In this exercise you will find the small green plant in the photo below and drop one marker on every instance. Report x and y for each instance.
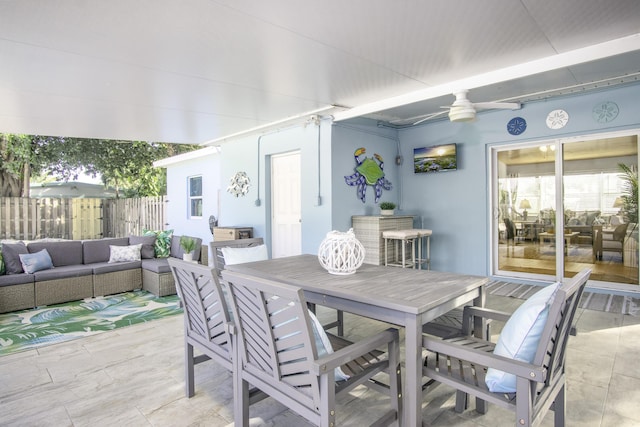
(387, 206)
(188, 243)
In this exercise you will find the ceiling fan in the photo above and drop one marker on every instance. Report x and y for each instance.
(463, 110)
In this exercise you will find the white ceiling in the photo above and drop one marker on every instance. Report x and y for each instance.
(199, 70)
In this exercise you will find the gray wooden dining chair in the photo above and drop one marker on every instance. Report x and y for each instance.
(219, 264)
(206, 318)
(218, 256)
(279, 352)
(496, 373)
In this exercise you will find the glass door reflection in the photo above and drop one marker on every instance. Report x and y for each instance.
(599, 210)
(526, 211)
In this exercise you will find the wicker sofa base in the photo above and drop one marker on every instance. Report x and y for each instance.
(63, 290)
(159, 284)
(47, 292)
(20, 296)
(17, 297)
(117, 282)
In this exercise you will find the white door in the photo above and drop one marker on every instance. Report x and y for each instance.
(286, 218)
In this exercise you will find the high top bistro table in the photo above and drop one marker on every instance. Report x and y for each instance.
(403, 297)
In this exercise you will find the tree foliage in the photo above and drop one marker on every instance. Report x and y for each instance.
(16, 154)
(125, 165)
(630, 192)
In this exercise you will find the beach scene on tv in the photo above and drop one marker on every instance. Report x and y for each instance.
(435, 159)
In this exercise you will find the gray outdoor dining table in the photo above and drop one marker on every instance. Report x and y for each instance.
(400, 296)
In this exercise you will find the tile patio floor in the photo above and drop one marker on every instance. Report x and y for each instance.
(134, 377)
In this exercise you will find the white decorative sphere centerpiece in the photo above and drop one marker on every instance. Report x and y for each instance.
(341, 253)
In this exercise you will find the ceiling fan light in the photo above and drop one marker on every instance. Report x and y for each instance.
(462, 114)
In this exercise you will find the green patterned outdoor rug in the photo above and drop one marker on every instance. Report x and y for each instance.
(590, 300)
(28, 329)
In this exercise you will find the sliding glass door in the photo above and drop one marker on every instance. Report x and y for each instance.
(560, 206)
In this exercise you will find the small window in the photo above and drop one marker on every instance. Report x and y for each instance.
(195, 197)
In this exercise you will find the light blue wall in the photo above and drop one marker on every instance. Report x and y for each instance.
(242, 155)
(346, 139)
(455, 204)
(177, 188)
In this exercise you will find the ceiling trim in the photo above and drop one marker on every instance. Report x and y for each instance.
(579, 56)
(271, 126)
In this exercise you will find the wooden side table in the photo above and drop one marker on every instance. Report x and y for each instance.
(232, 233)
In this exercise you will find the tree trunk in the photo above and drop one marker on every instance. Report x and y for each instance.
(10, 186)
(26, 180)
(14, 170)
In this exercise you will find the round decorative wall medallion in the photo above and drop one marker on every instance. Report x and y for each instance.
(239, 184)
(605, 112)
(557, 119)
(516, 126)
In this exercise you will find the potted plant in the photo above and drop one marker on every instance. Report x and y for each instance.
(188, 244)
(387, 208)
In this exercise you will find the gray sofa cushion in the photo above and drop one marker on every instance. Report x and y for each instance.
(16, 279)
(11, 255)
(157, 265)
(98, 250)
(105, 267)
(63, 272)
(62, 253)
(147, 242)
(177, 251)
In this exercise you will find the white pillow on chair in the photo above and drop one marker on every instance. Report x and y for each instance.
(242, 255)
(323, 345)
(520, 337)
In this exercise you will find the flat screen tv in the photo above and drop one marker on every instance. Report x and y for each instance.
(437, 158)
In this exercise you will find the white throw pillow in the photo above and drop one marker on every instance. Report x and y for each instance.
(124, 253)
(323, 345)
(242, 255)
(520, 337)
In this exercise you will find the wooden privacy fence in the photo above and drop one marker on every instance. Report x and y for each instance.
(125, 217)
(28, 219)
(38, 218)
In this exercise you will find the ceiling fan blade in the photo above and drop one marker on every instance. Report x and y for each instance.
(431, 116)
(463, 110)
(497, 105)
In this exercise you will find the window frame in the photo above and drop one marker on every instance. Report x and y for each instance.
(191, 198)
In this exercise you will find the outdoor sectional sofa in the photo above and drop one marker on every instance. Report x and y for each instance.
(81, 269)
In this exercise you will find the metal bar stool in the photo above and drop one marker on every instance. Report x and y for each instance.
(422, 234)
(404, 237)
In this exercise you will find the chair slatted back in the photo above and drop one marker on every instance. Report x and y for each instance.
(218, 258)
(275, 339)
(205, 310)
(551, 352)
